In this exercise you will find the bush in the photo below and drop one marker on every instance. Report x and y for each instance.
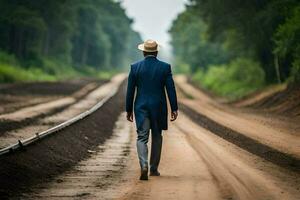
(106, 75)
(9, 74)
(12, 71)
(238, 78)
(47, 70)
(89, 71)
(182, 68)
(58, 69)
(6, 58)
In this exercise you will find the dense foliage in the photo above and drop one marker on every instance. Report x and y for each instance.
(191, 45)
(233, 80)
(49, 35)
(214, 32)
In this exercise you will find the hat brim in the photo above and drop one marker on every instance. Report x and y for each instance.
(142, 48)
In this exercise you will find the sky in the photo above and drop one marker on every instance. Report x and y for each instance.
(153, 18)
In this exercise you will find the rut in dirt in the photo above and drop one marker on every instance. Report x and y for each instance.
(54, 155)
(69, 89)
(253, 146)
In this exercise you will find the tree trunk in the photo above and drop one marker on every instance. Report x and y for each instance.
(46, 43)
(12, 39)
(20, 43)
(84, 50)
(276, 62)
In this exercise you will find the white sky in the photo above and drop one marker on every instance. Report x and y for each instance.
(153, 18)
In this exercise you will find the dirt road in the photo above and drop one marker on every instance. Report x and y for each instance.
(284, 138)
(197, 162)
(28, 120)
(198, 165)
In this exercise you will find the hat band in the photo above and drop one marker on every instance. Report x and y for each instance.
(150, 48)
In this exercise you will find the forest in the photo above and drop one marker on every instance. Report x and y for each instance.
(49, 40)
(235, 47)
(230, 47)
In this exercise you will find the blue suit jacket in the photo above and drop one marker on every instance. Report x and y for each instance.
(150, 77)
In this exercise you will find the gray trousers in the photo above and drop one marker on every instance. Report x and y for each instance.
(142, 147)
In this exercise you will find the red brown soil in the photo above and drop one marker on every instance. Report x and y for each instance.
(18, 95)
(280, 100)
(57, 153)
(285, 102)
(258, 131)
(203, 157)
(45, 88)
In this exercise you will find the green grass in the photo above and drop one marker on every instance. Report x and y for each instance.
(9, 74)
(234, 80)
(106, 75)
(48, 70)
(100, 74)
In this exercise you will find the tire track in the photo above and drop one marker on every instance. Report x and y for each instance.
(8, 121)
(91, 178)
(253, 146)
(43, 161)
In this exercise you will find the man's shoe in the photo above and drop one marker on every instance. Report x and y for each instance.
(144, 174)
(154, 173)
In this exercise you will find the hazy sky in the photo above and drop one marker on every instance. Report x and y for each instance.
(153, 18)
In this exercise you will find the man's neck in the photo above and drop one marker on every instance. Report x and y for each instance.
(150, 56)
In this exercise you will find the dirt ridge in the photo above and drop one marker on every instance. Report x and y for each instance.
(253, 146)
(54, 155)
(9, 125)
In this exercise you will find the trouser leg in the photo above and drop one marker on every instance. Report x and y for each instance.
(142, 140)
(156, 146)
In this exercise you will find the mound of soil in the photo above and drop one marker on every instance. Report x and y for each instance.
(258, 95)
(285, 102)
(278, 99)
(57, 153)
(44, 88)
(253, 146)
(19, 95)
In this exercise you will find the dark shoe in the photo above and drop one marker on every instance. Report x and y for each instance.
(154, 173)
(144, 174)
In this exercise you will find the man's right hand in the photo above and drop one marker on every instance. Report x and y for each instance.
(130, 116)
(174, 115)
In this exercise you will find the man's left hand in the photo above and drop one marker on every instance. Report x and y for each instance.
(130, 116)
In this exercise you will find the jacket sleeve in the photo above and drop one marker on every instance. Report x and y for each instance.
(171, 90)
(130, 90)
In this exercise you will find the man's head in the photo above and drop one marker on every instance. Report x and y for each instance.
(149, 47)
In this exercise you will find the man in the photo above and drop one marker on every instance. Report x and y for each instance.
(150, 78)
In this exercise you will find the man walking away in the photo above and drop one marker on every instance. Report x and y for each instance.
(150, 78)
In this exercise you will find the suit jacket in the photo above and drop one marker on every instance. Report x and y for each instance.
(151, 78)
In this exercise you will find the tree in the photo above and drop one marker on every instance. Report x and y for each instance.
(191, 45)
(94, 33)
(247, 29)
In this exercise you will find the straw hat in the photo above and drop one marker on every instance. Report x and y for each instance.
(149, 46)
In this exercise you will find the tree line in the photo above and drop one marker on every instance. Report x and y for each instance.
(260, 33)
(43, 33)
